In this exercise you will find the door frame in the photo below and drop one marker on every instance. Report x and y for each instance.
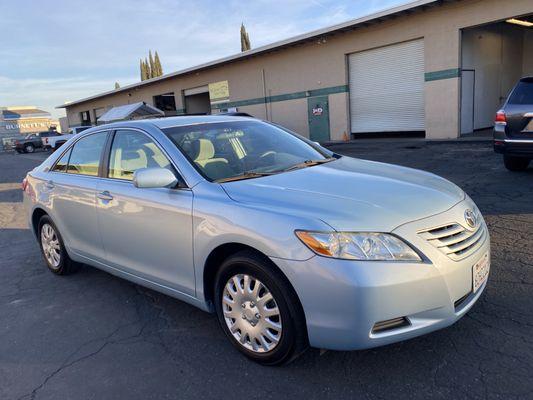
(473, 101)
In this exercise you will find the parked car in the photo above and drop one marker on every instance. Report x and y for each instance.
(77, 129)
(55, 142)
(33, 141)
(513, 127)
(236, 114)
(290, 244)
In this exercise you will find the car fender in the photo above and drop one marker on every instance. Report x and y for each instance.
(219, 220)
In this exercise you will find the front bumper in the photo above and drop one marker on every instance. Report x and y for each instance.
(343, 300)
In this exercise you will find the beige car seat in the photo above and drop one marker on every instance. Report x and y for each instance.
(214, 168)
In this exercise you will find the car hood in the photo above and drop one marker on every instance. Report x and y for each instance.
(350, 194)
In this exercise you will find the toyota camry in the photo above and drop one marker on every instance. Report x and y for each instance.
(290, 244)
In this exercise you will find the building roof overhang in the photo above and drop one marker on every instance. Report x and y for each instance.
(370, 19)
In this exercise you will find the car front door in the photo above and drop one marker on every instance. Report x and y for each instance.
(72, 193)
(145, 231)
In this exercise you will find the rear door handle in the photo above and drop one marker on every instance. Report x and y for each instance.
(49, 184)
(105, 195)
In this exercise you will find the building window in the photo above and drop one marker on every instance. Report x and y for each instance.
(167, 103)
(85, 118)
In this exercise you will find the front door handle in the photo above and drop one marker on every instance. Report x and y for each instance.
(105, 195)
(49, 184)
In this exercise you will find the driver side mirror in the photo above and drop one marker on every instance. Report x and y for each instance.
(154, 178)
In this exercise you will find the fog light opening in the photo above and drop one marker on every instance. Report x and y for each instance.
(459, 302)
(390, 324)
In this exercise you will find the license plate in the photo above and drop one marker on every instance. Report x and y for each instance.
(480, 272)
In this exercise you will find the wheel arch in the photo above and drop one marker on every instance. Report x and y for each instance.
(217, 257)
(36, 216)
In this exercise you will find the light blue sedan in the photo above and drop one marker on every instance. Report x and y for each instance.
(290, 244)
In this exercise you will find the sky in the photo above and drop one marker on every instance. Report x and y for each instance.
(63, 50)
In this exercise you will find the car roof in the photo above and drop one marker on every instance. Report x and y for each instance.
(170, 122)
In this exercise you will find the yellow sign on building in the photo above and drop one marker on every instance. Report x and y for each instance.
(219, 92)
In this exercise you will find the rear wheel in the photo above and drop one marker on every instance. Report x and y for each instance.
(29, 148)
(515, 163)
(258, 311)
(53, 248)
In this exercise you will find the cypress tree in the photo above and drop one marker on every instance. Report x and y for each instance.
(245, 39)
(148, 69)
(143, 70)
(153, 70)
(157, 62)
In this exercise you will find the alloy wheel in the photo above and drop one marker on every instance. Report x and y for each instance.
(251, 313)
(50, 245)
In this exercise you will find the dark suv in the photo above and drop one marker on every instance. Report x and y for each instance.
(513, 127)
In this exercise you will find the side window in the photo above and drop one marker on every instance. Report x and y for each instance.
(132, 150)
(62, 163)
(85, 155)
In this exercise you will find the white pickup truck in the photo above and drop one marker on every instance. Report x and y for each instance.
(55, 142)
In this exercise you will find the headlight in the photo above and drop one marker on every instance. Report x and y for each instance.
(358, 246)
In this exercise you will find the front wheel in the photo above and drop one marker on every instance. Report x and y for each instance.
(258, 310)
(29, 148)
(515, 163)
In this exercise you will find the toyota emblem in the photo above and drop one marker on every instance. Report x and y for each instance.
(470, 218)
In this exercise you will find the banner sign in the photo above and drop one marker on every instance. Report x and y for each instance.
(219, 92)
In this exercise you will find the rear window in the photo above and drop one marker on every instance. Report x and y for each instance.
(522, 93)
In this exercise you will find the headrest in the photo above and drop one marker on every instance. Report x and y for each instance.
(130, 155)
(203, 149)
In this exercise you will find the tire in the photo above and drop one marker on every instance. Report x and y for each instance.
(29, 148)
(254, 316)
(53, 249)
(516, 163)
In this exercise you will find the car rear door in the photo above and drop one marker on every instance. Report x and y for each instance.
(72, 195)
(145, 231)
(519, 110)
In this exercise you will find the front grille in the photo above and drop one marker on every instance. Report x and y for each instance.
(454, 240)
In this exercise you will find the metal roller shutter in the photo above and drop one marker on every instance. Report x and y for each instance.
(387, 88)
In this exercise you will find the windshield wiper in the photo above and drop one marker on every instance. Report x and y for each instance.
(257, 174)
(245, 175)
(308, 163)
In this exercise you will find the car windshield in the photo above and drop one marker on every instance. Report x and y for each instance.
(243, 149)
(522, 93)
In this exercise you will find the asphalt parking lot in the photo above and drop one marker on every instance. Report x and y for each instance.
(94, 336)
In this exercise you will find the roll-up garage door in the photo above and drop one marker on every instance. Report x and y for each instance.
(387, 88)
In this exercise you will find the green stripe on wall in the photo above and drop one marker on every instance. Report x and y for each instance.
(444, 74)
(283, 97)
